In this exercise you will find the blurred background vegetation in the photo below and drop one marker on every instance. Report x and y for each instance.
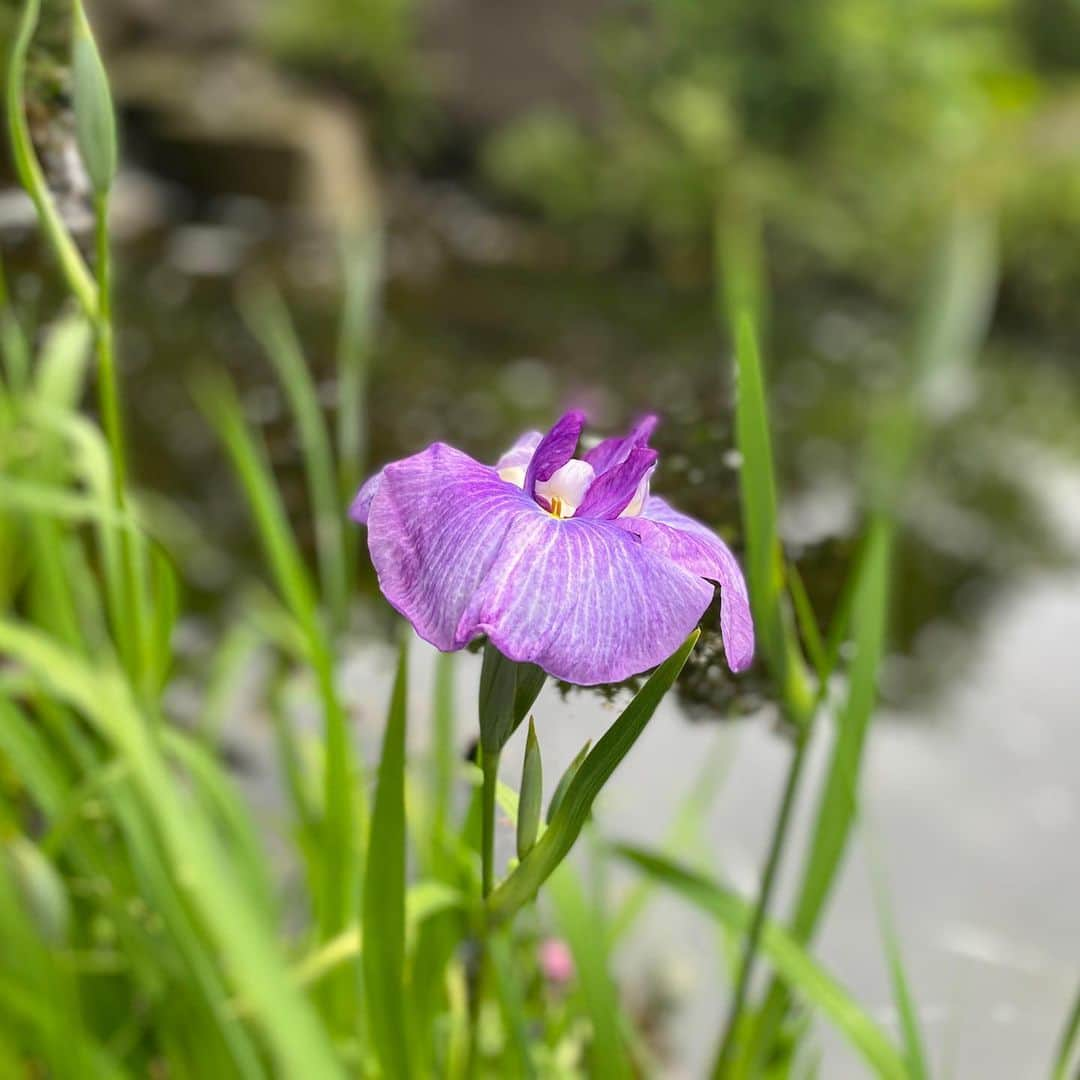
(551, 187)
(551, 181)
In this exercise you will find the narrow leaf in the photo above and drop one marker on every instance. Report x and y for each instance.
(800, 970)
(582, 926)
(521, 886)
(902, 997)
(836, 810)
(565, 780)
(269, 321)
(384, 893)
(765, 566)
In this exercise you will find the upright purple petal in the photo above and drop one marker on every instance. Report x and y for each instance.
(584, 599)
(555, 450)
(693, 546)
(613, 491)
(613, 451)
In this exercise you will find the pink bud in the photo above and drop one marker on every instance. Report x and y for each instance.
(556, 961)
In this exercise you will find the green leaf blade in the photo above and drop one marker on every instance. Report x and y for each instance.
(384, 894)
(590, 778)
(787, 956)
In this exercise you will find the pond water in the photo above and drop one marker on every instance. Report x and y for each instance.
(970, 807)
(476, 346)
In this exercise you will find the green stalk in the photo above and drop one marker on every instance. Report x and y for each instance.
(129, 624)
(29, 170)
(360, 270)
(108, 393)
(12, 341)
(729, 1039)
(489, 766)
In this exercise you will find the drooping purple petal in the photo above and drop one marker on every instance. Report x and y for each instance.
(613, 491)
(611, 452)
(361, 504)
(584, 599)
(556, 448)
(436, 525)
(694, 546)
(460, 552)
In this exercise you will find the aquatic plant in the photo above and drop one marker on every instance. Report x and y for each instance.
(567, 563)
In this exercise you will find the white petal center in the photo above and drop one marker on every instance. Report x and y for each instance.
(566, 488)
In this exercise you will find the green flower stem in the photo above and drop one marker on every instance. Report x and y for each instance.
(12, 342)
(29, 170)
(108, 393)
(489, 766)
(722, 1065)
(129, 622)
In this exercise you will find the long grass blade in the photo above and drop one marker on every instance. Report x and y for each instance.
(443, 751)
(737, 252)
(836, 811)
(269, 321)
(361, 267)
(583, 929)
(345, 810)
(384, 894)
(246, 943)
(837, 803)
(787, 956)
(910, 1029)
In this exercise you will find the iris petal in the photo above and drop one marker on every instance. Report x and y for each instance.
(584, 600)
(435, 527)
(361, 504)
(520, 454)
(695, 547)
(556, 448)
(459, 553)
(610, 452)
(613, 491)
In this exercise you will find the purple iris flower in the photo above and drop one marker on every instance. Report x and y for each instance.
(569, 563)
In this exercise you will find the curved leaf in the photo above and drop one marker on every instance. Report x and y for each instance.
(798, 968)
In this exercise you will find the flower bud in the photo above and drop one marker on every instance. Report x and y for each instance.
(532, 794)
(95, 122)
